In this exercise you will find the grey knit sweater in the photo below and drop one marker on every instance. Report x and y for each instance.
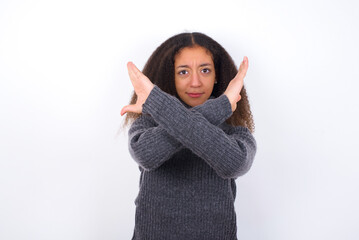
(189, 159)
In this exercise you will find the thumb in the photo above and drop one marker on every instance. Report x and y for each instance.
(126, 109)
(239, 98)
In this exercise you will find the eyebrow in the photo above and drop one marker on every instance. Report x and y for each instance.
(202, 65)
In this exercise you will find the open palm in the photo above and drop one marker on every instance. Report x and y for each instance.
(236, 84)
(142, 85)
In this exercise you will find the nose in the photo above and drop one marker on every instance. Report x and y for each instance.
(195, 80)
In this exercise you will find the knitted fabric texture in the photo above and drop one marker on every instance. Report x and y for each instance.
(189, 159)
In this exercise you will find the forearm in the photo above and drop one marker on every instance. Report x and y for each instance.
(214, 110)
(151, 145)
(229, 156)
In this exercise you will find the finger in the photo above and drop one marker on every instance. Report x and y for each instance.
(130, 108)
(244, 64)
(123, 110)
(243, 68)
(134, 71)
(132, 66)
(130, 71)
(245, 59)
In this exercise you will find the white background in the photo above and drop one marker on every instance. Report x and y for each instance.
(65, 170)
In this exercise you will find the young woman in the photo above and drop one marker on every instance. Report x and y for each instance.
(191, 136)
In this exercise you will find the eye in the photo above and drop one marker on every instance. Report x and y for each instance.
(206, 70)
(182, 72)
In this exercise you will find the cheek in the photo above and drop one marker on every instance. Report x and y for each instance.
(211, 83)
(180, 85)
(176, 82)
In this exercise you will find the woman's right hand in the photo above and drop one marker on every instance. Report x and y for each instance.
(142, 85)
(235, 85)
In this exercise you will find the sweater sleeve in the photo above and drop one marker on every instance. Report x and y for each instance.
(214, 110)
(230, 155)
(151, 145)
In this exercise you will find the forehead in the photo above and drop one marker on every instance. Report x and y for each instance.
(191, 54)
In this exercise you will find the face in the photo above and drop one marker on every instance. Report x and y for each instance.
(194, 75)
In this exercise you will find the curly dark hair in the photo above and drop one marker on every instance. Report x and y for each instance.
(160, 70)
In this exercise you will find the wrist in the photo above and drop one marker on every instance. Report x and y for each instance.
(231, 101)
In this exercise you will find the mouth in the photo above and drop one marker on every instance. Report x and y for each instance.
(195, 95)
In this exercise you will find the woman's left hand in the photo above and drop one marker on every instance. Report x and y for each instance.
(236, 84)
(143, 87)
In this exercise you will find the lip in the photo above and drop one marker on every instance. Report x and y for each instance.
(195, 95)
